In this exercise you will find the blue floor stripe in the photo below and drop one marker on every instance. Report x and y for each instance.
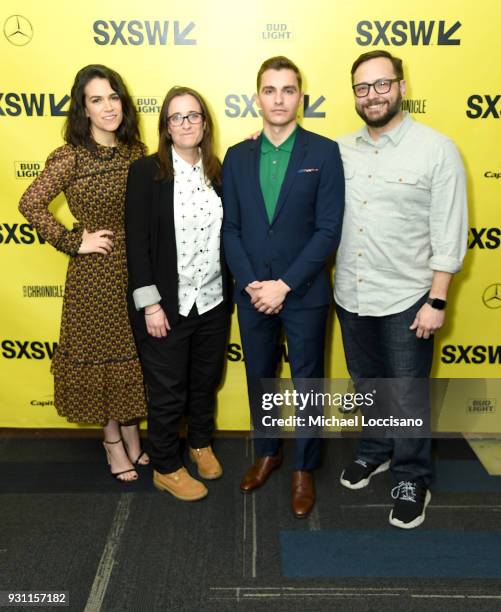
(391, 553)
(464, 477)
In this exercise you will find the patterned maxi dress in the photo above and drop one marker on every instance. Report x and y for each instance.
(97, 375)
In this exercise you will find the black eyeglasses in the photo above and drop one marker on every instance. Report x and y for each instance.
(177, 119)
(381, 86)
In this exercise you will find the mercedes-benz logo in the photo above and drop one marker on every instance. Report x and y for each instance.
(492, 296)
(18, 30)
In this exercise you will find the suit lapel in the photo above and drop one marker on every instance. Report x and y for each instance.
(255, 158)
(295, 161)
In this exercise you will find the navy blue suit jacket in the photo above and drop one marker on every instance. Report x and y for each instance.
(306, 226)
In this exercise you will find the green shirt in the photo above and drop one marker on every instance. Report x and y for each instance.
(272, 168)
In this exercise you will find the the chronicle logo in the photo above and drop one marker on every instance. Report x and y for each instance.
(491, 297)
(400, 32)
(138, 33)
(471, 353)
(414, 106)
(43, 291)
(15, 104)
(19, 233)
(18, 30)
(484, 106)
(482, 405)
(491, 174)
(28, 169)
(26, 349)
(484, 237)
(148, 104)
(241, 105)
(235, 352)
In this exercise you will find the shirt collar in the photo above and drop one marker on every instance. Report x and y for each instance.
(180, 164)
(286, 146)
(395, 135)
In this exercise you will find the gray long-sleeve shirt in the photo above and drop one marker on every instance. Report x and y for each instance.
(405, 217)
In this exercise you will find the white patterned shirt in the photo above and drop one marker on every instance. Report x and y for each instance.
(198, 214)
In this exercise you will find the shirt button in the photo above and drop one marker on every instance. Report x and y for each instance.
(360, 229)
(359, 254)
(359, 280)
(370, 175)
(400, 180)
(274, 161)
(376, 152)
(364, 202)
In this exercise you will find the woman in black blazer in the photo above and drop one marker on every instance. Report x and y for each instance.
(178, 288)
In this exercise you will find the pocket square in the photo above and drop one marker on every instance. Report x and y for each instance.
(308, 170)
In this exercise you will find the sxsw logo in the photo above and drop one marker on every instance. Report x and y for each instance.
(19, 349)
(484, 237)
(475, 354)
(138, 33)
(482, 107)
(243, 105)
(400, 32)
(15, 104)
(19, 233)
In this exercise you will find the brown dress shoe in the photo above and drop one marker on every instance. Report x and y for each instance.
(303, 493)
(258, 474)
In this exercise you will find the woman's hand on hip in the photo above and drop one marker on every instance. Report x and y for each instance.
(96, 242)
(157, 323)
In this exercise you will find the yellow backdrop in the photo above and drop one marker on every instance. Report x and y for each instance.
(451, 58)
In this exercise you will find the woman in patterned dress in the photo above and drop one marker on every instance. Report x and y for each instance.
(179, 304)
(97, 374)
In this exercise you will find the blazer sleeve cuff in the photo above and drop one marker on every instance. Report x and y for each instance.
(146, 296)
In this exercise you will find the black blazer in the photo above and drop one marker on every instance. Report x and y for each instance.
(151, 240)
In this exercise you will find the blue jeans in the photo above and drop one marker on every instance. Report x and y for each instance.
(385, 347)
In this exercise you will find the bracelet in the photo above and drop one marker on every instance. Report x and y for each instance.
(147, 314)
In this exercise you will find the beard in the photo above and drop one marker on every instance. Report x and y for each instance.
(391, 111)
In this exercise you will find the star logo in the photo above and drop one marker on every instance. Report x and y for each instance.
(492, 296)
(18, 30)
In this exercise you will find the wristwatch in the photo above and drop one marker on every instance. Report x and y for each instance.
(436, 303)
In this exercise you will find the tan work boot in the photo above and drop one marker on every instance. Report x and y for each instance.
(180, 484)
(207, 463)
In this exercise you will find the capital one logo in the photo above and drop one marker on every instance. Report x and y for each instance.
(242, 105)
(401, 32)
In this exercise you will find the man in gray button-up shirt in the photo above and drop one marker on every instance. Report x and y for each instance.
(404, 236)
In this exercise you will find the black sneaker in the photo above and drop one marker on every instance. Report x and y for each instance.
(359, 472)
(411, 499)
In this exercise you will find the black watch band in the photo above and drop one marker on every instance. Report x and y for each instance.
(436, 303)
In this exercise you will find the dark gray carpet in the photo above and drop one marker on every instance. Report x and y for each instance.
(66, 525)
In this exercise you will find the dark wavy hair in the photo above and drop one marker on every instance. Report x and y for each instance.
(77, 127)
(211, 163)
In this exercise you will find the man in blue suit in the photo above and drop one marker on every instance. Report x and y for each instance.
(283, 205)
